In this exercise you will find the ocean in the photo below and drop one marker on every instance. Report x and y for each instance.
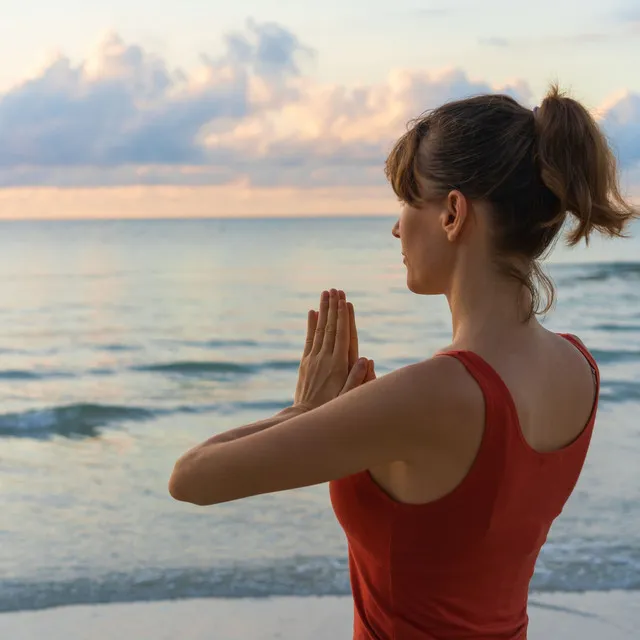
(124, 343)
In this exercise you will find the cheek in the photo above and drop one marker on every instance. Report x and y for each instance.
(429, 266)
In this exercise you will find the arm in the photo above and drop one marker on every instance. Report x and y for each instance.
(254, 427)
(377, 423)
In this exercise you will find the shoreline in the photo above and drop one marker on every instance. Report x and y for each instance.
(558, 616)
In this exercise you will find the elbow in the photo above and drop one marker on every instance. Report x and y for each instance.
(182, 486)
(178, 487)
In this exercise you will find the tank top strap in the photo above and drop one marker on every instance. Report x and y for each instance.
(499, 403)
(577, 343)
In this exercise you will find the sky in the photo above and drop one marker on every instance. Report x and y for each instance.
(260, 107)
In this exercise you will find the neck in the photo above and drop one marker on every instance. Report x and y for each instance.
(487, 307)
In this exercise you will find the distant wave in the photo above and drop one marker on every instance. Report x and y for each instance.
(218, 344)
(116, 347)
(616, 328)
(22, 374)
(606, 271)
(593, 568)
(613, 356)
(85, 420)
(617, 391)
(204, 368)
(74, 420)
(232, 343)
(14, 374)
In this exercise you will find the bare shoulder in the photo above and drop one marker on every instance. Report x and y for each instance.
(438, 394)
(441, 379)
(575, 359)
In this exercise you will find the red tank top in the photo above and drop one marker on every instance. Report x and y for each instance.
(459, 567)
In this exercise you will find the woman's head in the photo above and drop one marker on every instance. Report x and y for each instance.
(498, 179)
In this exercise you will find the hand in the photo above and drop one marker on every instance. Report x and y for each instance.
(324, 369)
(369, 370)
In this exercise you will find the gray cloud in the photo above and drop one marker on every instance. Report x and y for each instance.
(622, 123)
(267, 48)
(127, 107)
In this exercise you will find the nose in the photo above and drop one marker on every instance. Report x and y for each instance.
(396, 229)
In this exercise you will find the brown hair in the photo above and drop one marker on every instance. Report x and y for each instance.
(532, 167)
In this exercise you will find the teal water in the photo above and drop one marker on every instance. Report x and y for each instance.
(124, 343)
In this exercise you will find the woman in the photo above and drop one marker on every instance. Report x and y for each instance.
(447, 475)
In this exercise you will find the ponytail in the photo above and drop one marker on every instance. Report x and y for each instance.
(579, 168)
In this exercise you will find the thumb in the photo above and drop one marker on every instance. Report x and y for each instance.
(356, 376)
(371, 374)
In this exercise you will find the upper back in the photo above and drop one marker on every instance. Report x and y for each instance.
(553, 384)
(546, 389)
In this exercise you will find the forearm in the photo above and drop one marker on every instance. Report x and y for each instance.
(181, 486)
(254, 427)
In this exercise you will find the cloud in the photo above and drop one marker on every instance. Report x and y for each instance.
(621, 121)
(494, 42)
(585, 38)
(123, 117)
(124, 106)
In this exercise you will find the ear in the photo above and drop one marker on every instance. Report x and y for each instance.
(455, 215)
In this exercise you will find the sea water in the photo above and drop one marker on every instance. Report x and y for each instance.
(122, 344)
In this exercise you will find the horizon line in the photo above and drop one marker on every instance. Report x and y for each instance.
(142, 218)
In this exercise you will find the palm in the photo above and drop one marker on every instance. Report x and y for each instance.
(330, 364)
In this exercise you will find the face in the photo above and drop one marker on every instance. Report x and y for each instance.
(428, 238)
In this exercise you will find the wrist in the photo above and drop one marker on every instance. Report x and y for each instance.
(296, 409)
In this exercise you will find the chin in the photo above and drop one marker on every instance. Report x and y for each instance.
(422, 286)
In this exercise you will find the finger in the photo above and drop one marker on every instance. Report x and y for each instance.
(353, 336)
(371, 374)
(342, 295)
(318, 339)
(312, 323)
(341, 347)
(356, 376)
(331, 327)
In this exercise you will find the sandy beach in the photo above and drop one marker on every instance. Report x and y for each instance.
(584, 616)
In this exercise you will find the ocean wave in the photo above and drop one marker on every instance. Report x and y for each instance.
(223, 344)
(116, 347)
(586, 569)
(615, 356)
(74, 420)
(86, 420)
(616, 328)
(15, 374)
(22, 374)
(217, 368)
(618, 391)
(605, 271)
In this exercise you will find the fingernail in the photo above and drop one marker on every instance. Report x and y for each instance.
(362, 362)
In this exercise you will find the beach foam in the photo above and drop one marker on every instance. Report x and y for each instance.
(588, 616)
